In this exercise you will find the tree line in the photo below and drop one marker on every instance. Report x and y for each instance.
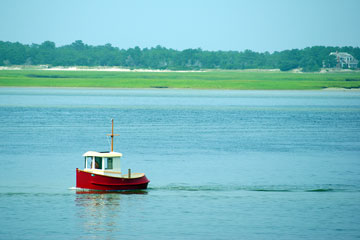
(80, 54)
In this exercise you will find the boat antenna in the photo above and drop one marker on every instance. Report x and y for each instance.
(112, 135)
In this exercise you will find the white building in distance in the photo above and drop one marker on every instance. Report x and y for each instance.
(345, 60)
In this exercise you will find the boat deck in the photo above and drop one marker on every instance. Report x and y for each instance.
(114, 174)
(133, 175)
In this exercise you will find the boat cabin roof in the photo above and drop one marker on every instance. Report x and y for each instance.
(102, 154)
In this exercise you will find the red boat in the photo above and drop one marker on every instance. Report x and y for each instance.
(102, 172)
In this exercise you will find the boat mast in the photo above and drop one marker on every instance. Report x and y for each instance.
(112, 135)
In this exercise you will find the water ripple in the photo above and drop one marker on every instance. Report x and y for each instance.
(260, 188)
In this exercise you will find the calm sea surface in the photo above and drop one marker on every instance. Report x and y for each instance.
(222, 164)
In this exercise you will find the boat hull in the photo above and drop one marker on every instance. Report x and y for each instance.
(88, 180)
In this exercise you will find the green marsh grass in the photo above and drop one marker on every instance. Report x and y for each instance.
(236, 80)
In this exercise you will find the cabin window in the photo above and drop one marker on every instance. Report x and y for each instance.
(88, 161)
(108, 163)
(98, 163)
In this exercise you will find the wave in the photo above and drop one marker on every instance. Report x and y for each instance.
(323, 190)
(259, 188)
(33, 194)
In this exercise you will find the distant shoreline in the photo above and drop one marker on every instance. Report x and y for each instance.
(122, 69)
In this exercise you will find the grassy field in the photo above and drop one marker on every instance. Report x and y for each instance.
(244, 80)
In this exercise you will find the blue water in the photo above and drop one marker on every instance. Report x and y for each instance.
(222, 164)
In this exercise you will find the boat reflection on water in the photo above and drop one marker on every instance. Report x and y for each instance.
(111, 192)
(102, 213)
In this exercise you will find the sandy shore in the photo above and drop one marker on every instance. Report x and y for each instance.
(342, 89)
(119, 69)
(114, 69)
(100, 69)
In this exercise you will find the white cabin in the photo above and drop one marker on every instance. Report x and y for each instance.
(105, 163)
